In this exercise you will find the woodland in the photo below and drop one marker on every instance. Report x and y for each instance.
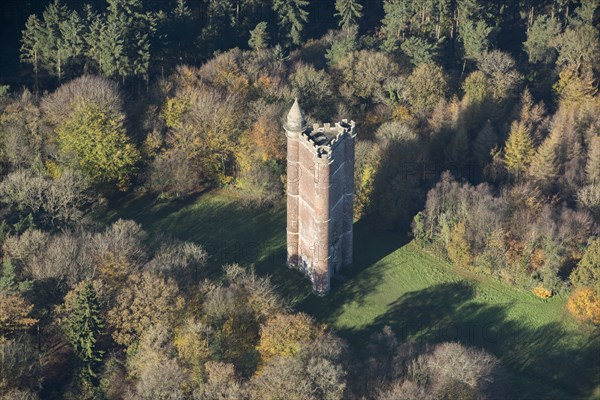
(478, 142)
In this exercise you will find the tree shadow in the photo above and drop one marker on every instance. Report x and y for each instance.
(542, 362)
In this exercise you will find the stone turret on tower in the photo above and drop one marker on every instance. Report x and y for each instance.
(320, 194)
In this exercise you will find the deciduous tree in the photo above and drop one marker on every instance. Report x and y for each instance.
(15, 313)
(518, 150)
(95, 142)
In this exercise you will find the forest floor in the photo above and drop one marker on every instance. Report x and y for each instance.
(394, 282)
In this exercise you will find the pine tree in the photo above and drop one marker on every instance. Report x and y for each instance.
(259, 38)
(518, 150)
(182, 32)
(540, 36)
(292, 17)
(475, 39)
(125, 47)
(396, 21)
(84, 329)
(8, 278)
(55, 51)
(31, 45)
(95, 26)
(349, 12)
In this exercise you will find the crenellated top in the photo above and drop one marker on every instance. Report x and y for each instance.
(325, 138)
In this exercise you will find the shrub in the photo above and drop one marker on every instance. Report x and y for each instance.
(584, 304)
(542, 292)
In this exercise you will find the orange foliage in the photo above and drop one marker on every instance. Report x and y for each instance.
(537, 259)
(584, 304)
(14, 313)
(266, 134)
(403, 114)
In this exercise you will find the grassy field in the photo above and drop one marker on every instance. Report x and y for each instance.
(395, 283)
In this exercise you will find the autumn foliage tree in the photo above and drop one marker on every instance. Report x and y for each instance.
(147, 300)
(15, 313)
(584, 304)
(519, 150)
(286, 334)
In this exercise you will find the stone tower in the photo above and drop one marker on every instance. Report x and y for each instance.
(320, 195)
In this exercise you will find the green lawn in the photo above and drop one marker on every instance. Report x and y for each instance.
(395, 283)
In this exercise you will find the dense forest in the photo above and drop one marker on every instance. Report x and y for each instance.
(478, 135)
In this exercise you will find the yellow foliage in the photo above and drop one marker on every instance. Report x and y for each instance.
(519, 149)
(459, 248)
(152, 144)
(191, 342)
(584, 304)
(537, 259)
(285, 335)
(53, 169)
(173, 111)
(365, 189)
(403, 114)
(574, 88)
(542, 292)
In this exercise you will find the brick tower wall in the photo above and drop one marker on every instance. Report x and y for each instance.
(320, 198)
(293, 176)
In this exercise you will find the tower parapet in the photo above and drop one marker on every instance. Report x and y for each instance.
(320, 195)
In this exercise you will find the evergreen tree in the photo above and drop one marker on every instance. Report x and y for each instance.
(540, 37)
(518, 150)
(8, 278)
(259, 38)
(475, 39)
(349, 12)
(95, 26)
(292, 17)
(126, 40)
(84, 329)
(182, 33)
(55, 48)
(31, 45)
(419, 50)
(396, 21)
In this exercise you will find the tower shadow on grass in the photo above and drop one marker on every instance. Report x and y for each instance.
(370, 247)
(542, 362)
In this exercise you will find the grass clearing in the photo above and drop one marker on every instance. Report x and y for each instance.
(393, 282)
